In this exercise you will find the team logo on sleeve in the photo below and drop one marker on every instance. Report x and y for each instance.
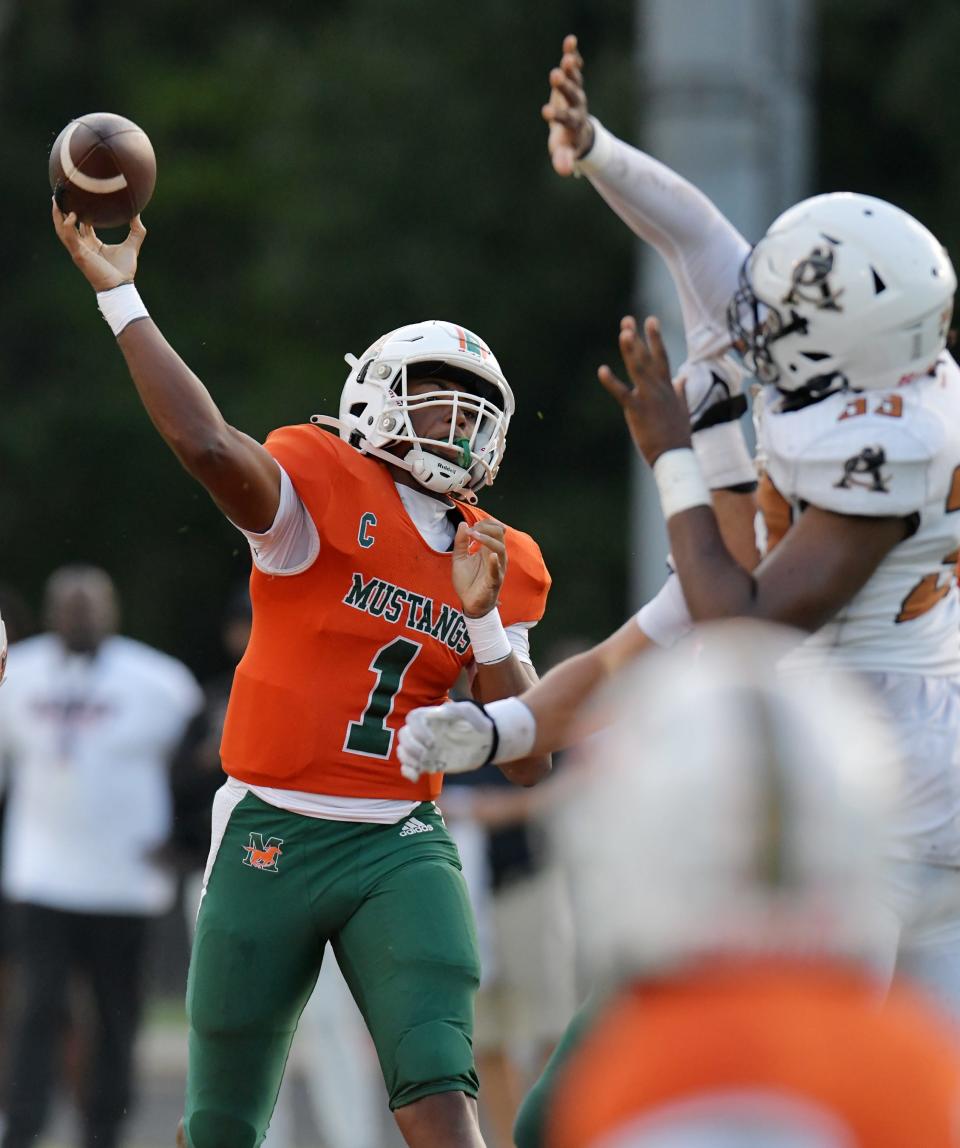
(263, 856)
(866, 469)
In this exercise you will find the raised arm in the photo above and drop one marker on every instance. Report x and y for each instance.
(701, 247)
(240, 475)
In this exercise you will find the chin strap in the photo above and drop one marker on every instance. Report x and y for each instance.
(814, 391)
(428, 468)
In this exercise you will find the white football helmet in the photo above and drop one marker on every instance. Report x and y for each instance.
(728, 809)
(376, 407)
(844, 290)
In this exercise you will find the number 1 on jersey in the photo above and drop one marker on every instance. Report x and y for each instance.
(369, 736)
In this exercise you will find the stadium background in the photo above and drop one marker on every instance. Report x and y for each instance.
(329, 171)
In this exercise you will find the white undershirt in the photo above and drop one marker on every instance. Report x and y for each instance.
(289, 547)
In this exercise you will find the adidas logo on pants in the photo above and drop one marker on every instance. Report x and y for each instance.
(412, 825)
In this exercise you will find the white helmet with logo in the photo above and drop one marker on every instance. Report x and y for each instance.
(843, 290)
(729, 809)
(376, 407)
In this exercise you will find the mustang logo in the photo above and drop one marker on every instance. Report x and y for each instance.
(260, 856)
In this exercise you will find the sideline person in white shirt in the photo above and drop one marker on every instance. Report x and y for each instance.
(88, 720)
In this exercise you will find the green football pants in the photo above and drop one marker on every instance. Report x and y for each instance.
(393, 903)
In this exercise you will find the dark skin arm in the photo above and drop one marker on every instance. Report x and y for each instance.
(479, 566)
(821, 563)
(241, 477)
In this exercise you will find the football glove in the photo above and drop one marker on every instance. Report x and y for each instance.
(453, 738)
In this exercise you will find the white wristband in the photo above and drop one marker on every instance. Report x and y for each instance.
(665, 619)
(723, 456)
(680, 481)
(516, 729)
(120, 306)
(488, 638)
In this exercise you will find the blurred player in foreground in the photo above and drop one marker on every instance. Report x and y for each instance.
(842, 310)
(724, 844)
(376, 581)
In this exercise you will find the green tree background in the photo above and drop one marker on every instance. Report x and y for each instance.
(329, 171)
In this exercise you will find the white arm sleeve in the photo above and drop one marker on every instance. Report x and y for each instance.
(518, 635)
(292, 543)
(701, 247)
(665, 619)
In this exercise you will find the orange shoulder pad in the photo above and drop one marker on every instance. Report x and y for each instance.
(303, 450)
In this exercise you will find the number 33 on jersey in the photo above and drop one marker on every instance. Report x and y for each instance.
(340, 653)
(893, 453)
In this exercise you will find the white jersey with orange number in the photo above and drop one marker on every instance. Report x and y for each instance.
(878, 453)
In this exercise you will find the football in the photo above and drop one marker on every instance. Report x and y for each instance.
(102, 166)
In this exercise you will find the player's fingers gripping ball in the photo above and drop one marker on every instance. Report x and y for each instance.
(453, 738)
(103, 168)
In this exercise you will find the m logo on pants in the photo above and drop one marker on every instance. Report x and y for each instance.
(260, 856)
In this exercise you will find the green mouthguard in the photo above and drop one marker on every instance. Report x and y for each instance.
(465, 456)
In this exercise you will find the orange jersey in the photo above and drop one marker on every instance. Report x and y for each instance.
(340, 653)
(793, 1051)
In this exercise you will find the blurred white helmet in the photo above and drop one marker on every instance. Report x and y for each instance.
(728, 810)
(376, 408)
(844, 290)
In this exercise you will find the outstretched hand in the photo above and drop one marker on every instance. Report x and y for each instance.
(105, 265)
(479, 564)
(656, 413)
(571, 133)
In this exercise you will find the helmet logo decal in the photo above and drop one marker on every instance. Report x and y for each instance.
(865, 469)
(470, 342)
(368, 521)
(810, 281)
